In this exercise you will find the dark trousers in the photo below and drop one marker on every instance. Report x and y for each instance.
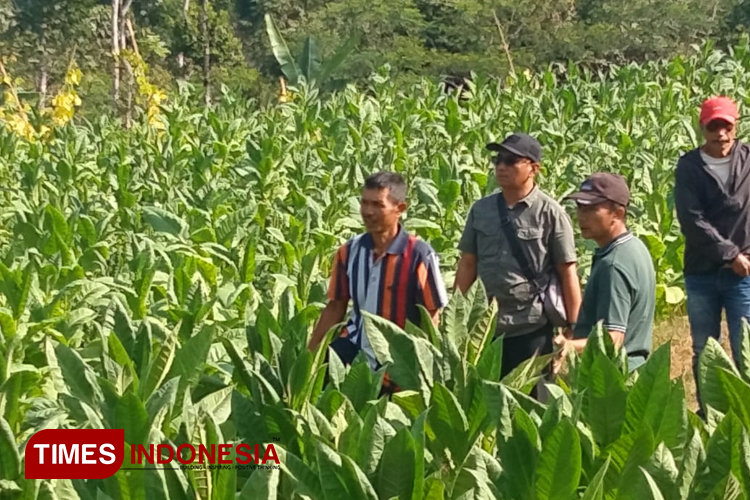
(516, 350)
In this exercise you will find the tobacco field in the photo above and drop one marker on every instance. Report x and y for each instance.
(164, 280)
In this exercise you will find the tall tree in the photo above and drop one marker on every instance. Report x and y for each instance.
(206, 53)
(40, 32)
(201, 38)
(122, 31)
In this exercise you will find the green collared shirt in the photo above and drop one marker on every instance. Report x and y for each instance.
(544, 231)
(621, 292)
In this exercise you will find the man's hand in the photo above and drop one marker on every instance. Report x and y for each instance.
(741, 265)
(567, 332)
(466, 272)
(560, 346)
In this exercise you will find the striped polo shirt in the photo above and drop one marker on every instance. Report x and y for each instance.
(408, 274)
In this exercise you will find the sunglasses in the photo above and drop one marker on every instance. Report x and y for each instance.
(506, 158)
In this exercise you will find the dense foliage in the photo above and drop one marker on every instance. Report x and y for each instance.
(432, 38)
(162, 278)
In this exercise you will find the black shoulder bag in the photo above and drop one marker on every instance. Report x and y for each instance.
(552, 299)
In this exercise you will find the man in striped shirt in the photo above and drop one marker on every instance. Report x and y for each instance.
(385, 271)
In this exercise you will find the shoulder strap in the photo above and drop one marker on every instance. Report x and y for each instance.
(509, 228)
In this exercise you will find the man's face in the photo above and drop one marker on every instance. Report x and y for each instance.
(596, 220)
(513, 171)
(719, 136)
(379, 211)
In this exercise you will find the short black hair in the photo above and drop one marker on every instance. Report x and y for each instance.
(392, 181)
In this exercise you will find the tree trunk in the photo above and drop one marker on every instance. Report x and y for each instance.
(181, 55)
(43, 76)
(206, 53)
(134, 43)
(121, 29)
(116, 50)
(131, 33)
(506, 47)
(123, 45)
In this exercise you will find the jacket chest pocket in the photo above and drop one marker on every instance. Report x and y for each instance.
(489, 240)
(533, 244)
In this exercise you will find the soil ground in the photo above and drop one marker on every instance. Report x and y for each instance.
(677, 331)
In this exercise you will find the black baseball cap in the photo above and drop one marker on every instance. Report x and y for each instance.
(601, 187)
(519, 144)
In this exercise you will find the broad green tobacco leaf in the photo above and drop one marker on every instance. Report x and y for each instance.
(727, 452)
(712, 359)
(262, 485)
(745, 352)
(10, 460)
(738, 394)
(16, 285)
(694, 455)
(604, 400)
(131, 415)
(434, 489)
(473, 480)
(397, 470)
(7, 324)
(164, 221)
(79, 377)
(653, 489)
(519, 456)
(159, 367)
(340, 477)
(411, 359)
(638, 455)
(449, 423)
(453, 320)
(559, 466)
(663, 469)
(596, 489)
(645, 401)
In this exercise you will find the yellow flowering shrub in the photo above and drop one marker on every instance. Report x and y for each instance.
(67, 100)
(149, 95)
(15, 114)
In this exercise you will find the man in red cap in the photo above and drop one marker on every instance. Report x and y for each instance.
(712, 198)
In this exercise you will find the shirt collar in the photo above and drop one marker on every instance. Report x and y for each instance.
(626, 236)
(397, 246)
(530, 198)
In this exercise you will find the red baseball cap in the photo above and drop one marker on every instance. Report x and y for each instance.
(719, 108)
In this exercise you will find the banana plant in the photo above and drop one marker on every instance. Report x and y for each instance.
(308, 65)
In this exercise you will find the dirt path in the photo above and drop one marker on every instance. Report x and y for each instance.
(677, 330)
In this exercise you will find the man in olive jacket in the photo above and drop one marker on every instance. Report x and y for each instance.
(545, 236)
(712, 198)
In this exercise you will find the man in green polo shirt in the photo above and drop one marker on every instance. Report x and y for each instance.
(621, 290)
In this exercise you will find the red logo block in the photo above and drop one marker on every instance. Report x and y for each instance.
(74, 453)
